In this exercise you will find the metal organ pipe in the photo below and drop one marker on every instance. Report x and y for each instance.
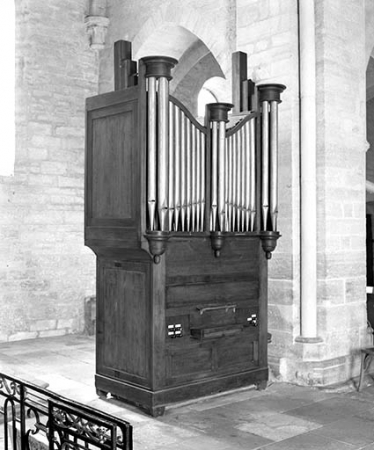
(238, 179)
(193, 179)
(274, 164)
(243, 179)
(171, 187)
(163, 147)
(177, 117)
(202, 185)
(221, 176)
(152, 143)
(234, 180)
(247, 176)
(265, 164)
(226, 199)
(198, 179)
(252, 164)
(183, 173)
(188, 174)
(228, 181)
(214, 176)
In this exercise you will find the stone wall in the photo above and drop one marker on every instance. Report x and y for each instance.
(268, 33)
(341, 143)
(45, 271)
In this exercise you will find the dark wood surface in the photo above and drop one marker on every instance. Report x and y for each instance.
(210, 298)
(239, 79)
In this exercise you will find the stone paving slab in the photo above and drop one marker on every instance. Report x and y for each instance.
(282, 417)
(350, 430)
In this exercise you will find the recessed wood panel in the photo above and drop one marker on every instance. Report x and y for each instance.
(238, 352)
(191, 362)
(113, 165)
(214, 293)
(122, 323)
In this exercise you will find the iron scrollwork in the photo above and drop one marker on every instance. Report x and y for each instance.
(35, 418)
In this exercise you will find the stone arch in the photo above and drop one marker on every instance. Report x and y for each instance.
(196, 63)
(214, 37)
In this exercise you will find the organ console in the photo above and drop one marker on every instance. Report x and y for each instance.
(182, 218)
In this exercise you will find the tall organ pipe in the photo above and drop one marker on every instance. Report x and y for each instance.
(252, 205)
(221, 176)
(265, 164)
(151, 160)
(274, 164)
(177, 117)
(171, 187)
(163, 148)
(214, 176)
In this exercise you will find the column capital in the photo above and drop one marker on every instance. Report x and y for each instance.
(96, 27)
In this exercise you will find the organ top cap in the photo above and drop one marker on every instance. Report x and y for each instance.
(159, 66)
(218, 112)
(270, 92)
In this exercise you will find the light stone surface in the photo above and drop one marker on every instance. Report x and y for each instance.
(46, 270)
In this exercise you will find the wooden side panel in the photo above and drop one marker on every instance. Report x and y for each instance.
(123, 327)
(113, 172)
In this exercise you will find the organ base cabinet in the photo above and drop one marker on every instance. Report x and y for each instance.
(182, 219)
(189, 326)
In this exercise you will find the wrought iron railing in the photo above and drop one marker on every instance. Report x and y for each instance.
(36, 418)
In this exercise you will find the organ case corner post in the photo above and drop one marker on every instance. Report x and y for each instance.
(174, 322)
(269, 98)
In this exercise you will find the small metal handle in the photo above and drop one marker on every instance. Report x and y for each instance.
(203, 309)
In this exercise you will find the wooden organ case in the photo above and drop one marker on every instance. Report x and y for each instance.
(182, 218)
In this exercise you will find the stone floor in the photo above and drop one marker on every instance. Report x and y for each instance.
(281, 417)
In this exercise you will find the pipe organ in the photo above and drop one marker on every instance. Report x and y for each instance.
(182, 217)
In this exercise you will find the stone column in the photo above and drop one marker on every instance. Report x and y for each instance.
(97, 24)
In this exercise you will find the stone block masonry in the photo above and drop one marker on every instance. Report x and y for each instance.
(268, 32)
(45, 270)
